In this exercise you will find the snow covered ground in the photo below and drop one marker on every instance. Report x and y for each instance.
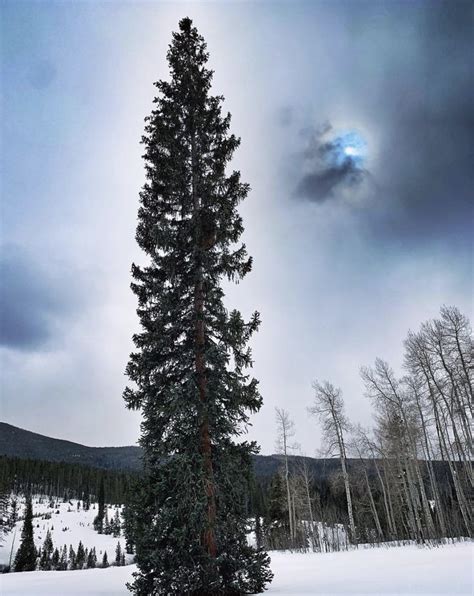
(395, 571)
(366, 571)
(67, 524)
(389, 571)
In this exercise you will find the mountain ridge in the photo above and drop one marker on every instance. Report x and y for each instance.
(25, 444)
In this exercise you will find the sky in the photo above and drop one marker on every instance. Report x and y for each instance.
(356, 121)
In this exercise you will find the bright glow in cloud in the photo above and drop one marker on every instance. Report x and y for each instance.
(350, 150)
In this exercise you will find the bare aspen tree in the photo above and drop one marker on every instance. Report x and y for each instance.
(440, 357)
(416, 390)
(328, 407)
(378, 455)
(359, 444)
(286, 431)
(305, 480)
(458, 334)
(449, 341)
(390, 395)
(395, 425)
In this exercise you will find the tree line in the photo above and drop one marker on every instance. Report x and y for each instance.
(60, 479)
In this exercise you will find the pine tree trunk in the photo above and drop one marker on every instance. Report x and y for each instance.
(208, 536)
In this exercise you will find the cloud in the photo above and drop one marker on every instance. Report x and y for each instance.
(327, 169)
(425, 172)
(416, 185)
(34, 301)
(321, 185)
(340, 284)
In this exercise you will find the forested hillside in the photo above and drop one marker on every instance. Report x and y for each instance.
(63, 480)
(17, 442)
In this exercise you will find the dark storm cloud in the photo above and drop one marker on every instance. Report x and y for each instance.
(421, 108)
(322, 185)
(330, 170)
(428, 145)
(33, 300)
(427, 184)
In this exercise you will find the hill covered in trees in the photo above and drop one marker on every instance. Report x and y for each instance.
(19, 443)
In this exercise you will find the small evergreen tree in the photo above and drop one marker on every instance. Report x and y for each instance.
(99, 519)
(25, 559)
(105, 560)
(13, 512)
(46, 553)
(190, 368)
(276, 521)
(118, 554)
(107, 526)
(72, 558)
(80, 556)
(5, 502)
(55, 559)
(91, 559)
(116, 525)
(276, 506)
(63, 560)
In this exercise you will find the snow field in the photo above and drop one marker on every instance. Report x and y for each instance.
(69, 526)
(407, 570)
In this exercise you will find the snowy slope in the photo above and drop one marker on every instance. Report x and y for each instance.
(67, 527)
(407, 570)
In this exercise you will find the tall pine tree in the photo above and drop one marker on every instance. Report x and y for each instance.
(189, 370)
